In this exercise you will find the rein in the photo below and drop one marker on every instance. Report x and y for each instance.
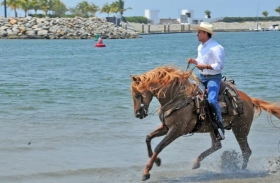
(165, 113)
(175, 96)
(189, 66)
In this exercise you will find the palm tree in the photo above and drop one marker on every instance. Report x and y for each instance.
(106, 9)
(44, 6)
(50, 5)
(82, 8)
(114, 7)
(278, 10)
(35, 5)
(13, 4)
(207, 13)
(92, 9)
(58, 8)
(265, 13)
(122, 9)
(25, 5)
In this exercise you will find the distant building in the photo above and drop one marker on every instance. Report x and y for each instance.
(152, 16)
(187, 17)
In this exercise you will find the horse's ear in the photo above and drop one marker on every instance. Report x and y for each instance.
(135, 79)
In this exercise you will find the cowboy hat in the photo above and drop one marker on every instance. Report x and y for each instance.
(205, 26)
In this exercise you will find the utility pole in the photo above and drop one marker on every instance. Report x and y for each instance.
(5, 8)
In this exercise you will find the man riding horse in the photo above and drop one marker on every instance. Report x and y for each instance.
(210, 62)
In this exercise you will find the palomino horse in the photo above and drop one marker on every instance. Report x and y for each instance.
(173, 87)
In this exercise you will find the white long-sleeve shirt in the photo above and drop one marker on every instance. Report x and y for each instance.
(211, 53)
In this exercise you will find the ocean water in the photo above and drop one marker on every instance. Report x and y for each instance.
(66, 113)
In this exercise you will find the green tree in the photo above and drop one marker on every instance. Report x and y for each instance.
(44, 6)
(13, 4)
(92, 9)
(118, 7)
(58, 8)
(114, 7)
(84, 9)
(207, 13)
(278, 10)
(50, 5)
(106, 9)
(265, 13)
(25, 5)
(35, 5)
(121, 7)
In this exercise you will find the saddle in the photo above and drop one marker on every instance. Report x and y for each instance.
(229, 100)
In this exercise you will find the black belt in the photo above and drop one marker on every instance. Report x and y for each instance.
(208, 75)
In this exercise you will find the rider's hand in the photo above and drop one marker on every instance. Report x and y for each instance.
(192, 61)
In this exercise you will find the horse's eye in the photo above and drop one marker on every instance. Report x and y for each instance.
(137, 96)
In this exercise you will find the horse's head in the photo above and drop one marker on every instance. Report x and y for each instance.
(165, 83)
(141, 99)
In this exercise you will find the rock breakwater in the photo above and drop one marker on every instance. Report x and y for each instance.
(61, 28)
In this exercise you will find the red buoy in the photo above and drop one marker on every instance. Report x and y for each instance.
(100, 43)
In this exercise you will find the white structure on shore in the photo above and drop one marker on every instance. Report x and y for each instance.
(187, 17)
(274, 27)
(152, 16)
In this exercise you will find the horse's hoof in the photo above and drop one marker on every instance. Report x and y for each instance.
(145, 177)
(196, 165)
(158, 161)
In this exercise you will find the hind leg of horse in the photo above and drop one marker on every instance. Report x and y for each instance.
(165, 142)
(216, 145)
(241, 137)
(160, 131)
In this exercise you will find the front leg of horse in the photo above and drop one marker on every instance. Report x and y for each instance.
(149, 166)
(216, 145)
(150, 152)
(165, 142)
(160, 131)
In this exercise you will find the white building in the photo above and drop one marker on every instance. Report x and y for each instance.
(152, 16)
(187, 17)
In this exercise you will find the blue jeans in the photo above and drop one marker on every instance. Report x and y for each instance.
(212, 83)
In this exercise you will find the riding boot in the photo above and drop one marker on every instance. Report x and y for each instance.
(221, 132)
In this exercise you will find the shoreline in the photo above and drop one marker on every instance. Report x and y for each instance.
(89, 28)
(217, 27)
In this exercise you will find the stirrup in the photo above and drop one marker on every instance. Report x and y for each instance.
(221, 134)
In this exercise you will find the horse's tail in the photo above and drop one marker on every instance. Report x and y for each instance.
(271, 108)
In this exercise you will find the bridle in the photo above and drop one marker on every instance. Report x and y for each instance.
(142, 105)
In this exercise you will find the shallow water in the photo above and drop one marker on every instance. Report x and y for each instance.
(66, 112)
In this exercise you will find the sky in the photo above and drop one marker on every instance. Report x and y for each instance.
(173, 8)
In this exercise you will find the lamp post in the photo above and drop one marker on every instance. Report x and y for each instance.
(5, 8)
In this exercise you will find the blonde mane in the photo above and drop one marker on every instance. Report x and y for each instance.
(160, 79)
